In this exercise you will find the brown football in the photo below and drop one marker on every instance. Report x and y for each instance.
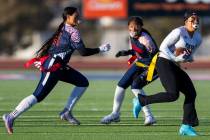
(179, 51)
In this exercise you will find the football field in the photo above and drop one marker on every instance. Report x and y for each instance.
(42, 121)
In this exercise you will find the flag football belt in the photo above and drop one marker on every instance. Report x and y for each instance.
(53, 68)
(151, 67)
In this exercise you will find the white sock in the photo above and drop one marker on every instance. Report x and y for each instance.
(118, 99)
(75, 96)
(23, 106)
(145, 109)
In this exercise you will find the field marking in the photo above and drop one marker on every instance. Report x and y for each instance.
(140, 133)
(92, 76)
(79, 116)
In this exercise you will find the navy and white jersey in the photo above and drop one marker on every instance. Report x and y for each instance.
(69, 40)
(179, 38)
(144, 47)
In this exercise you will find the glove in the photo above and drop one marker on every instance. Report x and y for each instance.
(105, 47)
(37, 64)
(180, 58)
(124, 53)
(118, 54)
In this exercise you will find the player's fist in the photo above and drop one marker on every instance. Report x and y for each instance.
(37, 64)
(105, 47)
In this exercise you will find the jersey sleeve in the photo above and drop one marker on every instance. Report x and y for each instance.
(169, 41)
(76, 40)
(148, 43)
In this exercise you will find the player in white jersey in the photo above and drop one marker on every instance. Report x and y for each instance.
(186, 38)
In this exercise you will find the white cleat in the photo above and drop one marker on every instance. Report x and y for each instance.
(67, 116)
(8, 121)
(149, 120)
(113, 117)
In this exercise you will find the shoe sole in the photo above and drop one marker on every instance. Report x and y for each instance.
(9, 130)
(74, 123)
(150, 123)
(114, 121)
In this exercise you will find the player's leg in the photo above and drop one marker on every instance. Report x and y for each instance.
(47, 82)
(123, 84)
(137, 85)
(190, 118)
(81, 83)
(168, 77)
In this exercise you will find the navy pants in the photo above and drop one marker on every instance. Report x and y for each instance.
(49, 79)
(135, 77)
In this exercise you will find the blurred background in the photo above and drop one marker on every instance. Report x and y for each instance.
(25, 25)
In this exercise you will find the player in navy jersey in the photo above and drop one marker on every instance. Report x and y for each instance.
(173, 78)
(143, 49)
(52, 59)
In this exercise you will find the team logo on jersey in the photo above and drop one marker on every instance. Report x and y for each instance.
(190, 46)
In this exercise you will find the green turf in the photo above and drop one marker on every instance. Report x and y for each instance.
(42, 122)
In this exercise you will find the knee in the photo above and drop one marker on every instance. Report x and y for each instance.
(173, 96)
(83, 83)
(122, 85)
(191, 97)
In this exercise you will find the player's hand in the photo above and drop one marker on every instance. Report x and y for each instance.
(118, 54)
(180, 58)
(105, 47)
(121, 53)
(37, 64)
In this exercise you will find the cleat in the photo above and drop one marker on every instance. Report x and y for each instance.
(149, 120)
(113, 117)
(187, 130)
(136, 107)
(67, 116)
(8, 121)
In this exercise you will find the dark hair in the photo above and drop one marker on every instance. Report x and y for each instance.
(137, 20)
(188, 14)
(45, 47)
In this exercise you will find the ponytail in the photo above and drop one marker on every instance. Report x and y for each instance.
(45, 47)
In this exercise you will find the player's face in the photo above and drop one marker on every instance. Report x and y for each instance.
(134, 29)
(73, 19)
(192, 23)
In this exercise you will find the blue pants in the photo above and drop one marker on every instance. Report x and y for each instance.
(49, 79)
(135, 77)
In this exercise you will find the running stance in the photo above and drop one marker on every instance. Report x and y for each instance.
(52, 59)
(179, 46)
(143, 49)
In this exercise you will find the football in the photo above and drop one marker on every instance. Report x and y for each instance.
(179, 51)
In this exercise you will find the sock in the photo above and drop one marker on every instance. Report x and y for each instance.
(23, 106)
(145, 109)
(75, 96)
(118, 99)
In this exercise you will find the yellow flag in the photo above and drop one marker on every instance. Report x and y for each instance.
(152, 68)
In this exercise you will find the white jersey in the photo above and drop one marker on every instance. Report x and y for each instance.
(179, 38)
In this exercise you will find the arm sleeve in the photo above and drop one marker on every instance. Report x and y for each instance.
(80, 46)
(88, 51)
(170, 40)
